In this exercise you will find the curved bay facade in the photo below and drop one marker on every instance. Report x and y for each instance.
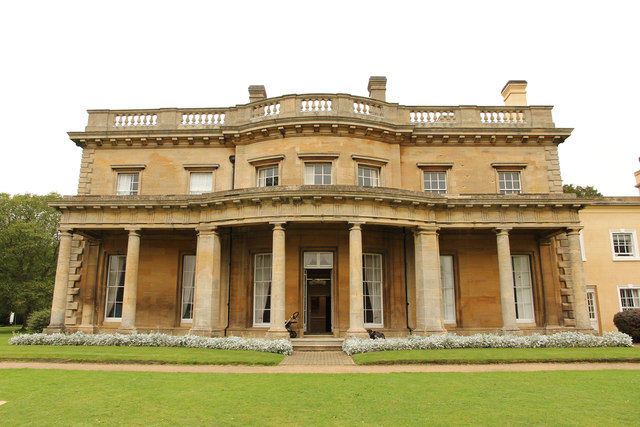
(355, 212)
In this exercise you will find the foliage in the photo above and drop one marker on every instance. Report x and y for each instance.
(587, 191)
(416, 342)
(281, 346)
(628, 322)
(38, 320)
(57, 397)
(28, 252)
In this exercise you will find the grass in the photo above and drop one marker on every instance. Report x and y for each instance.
(500, 355)
(176, 355)
(53, 397)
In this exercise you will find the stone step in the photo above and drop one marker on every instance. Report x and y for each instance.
(317, 344)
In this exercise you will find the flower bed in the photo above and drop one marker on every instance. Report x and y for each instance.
(281, 346)
(416, 342)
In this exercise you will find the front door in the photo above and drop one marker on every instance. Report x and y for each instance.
(318, 290)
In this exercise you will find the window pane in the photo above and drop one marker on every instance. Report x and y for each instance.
(523, 291)
(372, 289)
(509, 182)
(201, 182)
(115, 286)
(268, 176)
(318, 174)
(368, 176)
(435, 182)
(188, 282)
(629, 298)
(622, 244)
(448, 293)
(262, 290)
(127, 184)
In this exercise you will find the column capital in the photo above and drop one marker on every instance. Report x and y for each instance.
(65, 231)
(574, 230)
(133, 231)
(503, 230)
(278, 225)
(356, 225)
(426, 229)
(207, 229)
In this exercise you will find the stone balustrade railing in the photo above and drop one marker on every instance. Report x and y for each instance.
(345, 106)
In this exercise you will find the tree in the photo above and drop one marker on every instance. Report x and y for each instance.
(28, 252)
(580, 191)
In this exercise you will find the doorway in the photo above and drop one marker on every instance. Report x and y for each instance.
(318, 292)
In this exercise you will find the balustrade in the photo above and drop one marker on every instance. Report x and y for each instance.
(316, 104)
(135, 119)
(502, 116)
(432, 116)
(202, 118)
(266, 110)
(367, 108)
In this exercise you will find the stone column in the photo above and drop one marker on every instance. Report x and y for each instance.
(505, 269)
(580, 310)
(206, 298)
(128, 323)
(59, 304)
(356, 305)
(277, 329)
(428, 282)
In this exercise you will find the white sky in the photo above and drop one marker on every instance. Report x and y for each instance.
(60, 58)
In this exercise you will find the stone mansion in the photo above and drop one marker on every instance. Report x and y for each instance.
(356, 212)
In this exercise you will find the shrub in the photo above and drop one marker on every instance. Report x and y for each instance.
(282, 346)
(628, 322)
(38, 320)
(416, 342)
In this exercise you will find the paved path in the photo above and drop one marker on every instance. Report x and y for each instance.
(323, 369)
(315, 358)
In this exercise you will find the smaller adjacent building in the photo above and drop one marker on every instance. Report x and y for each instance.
(611, 257)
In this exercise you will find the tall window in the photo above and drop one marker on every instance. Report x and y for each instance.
(262, 290)
(188, 279)
(268, 176)
(317, 174)
(509, 182)
(435, 182)
(624, 245)
(115, 287)
(368, 176)
(448, 292)
(629, 297)
(372, 289)
(522, 285)
(127, 184)
(200, 182)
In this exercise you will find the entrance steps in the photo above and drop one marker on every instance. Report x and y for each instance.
(317, 344)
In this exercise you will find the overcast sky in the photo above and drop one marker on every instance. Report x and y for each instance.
(60, 58)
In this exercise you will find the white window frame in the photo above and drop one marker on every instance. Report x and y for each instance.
(634, 256)
(202, 190)
(523, 289)
(260, 278)
(188, 286)
(438, 181)
(635, 289)
(372, 278)
(261, 180)
(447, 280)
(134, 183)
(501, 181)
(374, 181)
(582, 249)
(310, 175)
(114, 283)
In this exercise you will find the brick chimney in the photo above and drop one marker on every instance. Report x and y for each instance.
(515, 93)
(257, 93)
(377, 87)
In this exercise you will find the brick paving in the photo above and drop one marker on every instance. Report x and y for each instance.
(325, 358)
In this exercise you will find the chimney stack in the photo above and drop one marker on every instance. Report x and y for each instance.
(377, 88)
(637, 174)
(257, 93)
(515, 93)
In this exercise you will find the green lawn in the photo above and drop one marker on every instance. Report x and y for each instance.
(53, 397)
(499, 355)
(200, 356)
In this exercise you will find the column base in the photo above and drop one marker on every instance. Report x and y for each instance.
(205, 332)
(276, 334)
(357, 333)
(54, 330)
(126, 331)
(511, 331)
(87, 329)
(428, 332)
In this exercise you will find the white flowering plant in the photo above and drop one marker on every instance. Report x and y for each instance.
(282, 346)
(353, 346)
